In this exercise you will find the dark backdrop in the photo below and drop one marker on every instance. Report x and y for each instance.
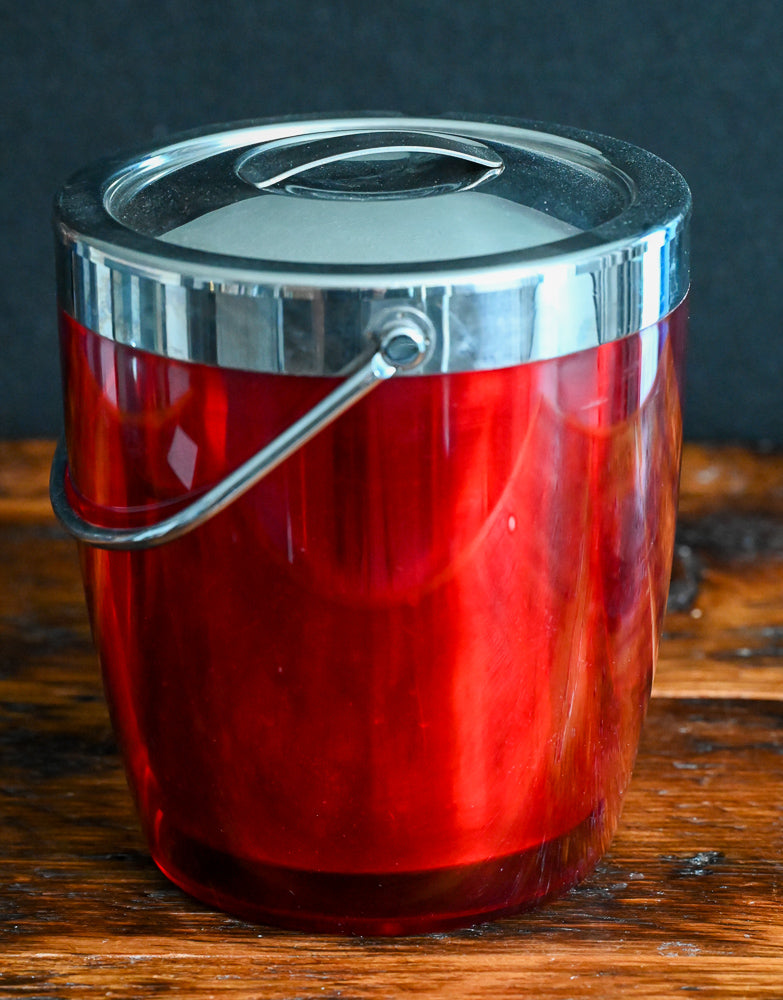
(699, 83)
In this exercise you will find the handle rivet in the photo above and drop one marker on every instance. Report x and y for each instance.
(404, 346)
(405, 337)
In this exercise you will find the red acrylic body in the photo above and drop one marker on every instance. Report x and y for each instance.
(399, 685)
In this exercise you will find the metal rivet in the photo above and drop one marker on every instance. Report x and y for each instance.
(404, 346)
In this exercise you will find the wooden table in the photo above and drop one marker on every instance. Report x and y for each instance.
(687, 900)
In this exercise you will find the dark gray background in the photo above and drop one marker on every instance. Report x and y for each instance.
(699, 83)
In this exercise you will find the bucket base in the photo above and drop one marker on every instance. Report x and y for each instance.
(387, 903)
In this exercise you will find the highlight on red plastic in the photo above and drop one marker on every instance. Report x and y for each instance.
(399, 684)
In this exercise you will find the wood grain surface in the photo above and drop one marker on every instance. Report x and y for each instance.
(686, 901)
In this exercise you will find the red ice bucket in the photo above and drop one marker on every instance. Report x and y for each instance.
(373, 437)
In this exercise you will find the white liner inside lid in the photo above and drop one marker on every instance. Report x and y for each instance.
(369, 231)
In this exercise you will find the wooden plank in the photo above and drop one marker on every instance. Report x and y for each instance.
(729, 478)
(700, 835)
(24, 480)
(337, 971)
(686, 900)
(730, 642)
(727, 640)
(688, 895)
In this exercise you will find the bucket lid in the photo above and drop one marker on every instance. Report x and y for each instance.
(285, 246)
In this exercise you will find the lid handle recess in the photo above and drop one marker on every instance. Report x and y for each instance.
(369, 164)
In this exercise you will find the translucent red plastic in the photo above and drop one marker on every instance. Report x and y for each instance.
(399, 685)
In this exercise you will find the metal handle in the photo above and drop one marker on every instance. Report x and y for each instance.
(369, 163)
(402, 346)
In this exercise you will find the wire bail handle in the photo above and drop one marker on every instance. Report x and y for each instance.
(403, 343)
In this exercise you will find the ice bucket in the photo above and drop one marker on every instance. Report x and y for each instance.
(372, 448)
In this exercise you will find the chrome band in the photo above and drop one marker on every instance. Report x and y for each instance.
(283, 329)
(581, 291)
